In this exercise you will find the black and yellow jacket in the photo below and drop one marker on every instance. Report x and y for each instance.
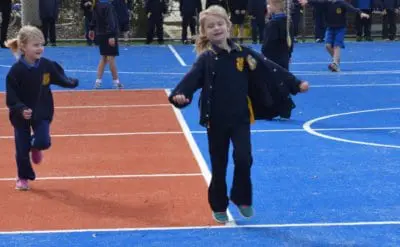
(269, 89)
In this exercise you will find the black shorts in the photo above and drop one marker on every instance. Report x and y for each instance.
(105, 48)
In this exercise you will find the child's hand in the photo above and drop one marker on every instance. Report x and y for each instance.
(91, 35)
(364, 15)
(303, 86)
(27, 114)
(111, 42)
(180, 99)
(237, 11)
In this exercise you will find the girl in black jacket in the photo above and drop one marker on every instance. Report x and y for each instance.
(238, 86)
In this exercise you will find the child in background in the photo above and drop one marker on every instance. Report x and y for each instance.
(238, 13)
(30, 101)
(335, 15)
(278, 40)
(257, 10)
(105, 22)
(49, 14)
(238, 86)
(87, 7)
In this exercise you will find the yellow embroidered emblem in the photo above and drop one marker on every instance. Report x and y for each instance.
(46, 79)
(338, 11)
(252, 62)
(240, 63)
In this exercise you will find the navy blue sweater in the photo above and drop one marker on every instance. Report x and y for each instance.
(335, 11)
(105, 20)
(28, 86)
(267, 85)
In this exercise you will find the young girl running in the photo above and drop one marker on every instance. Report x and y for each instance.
(238, 86)
(30, 101)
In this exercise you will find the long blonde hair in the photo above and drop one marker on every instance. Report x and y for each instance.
(202, 42)
(25, 34)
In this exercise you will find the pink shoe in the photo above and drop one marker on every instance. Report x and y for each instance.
(22, 184)
(36, 156)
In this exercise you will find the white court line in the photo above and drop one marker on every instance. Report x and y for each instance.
(105, 106)
(196, 152)
(299, 72)
(350, 62)
(307, 127)
(176, 54)
(113, 176)
(209, 227)
(204, 132)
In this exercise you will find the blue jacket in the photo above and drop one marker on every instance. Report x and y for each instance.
(48, 9)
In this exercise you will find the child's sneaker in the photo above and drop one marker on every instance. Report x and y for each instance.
(22, 184)
(334, 67)
(246, 211)
(36, 156)
(97, 84)
(220, 217)
(117, 84)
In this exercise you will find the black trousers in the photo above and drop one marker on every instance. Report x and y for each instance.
(389, 25)
(296, 18)
(155, 22)
(5, 9)
(257, 30)
(24, 142)
(219, 137)
(49, 28)
(363, 24)
(188, 21)
(319, 22)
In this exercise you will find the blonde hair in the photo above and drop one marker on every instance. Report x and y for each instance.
(202, 42)
(25, 35)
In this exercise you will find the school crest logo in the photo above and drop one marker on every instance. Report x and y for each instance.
(240, 63)
(252, 62)
(46, 79)
(338, 11)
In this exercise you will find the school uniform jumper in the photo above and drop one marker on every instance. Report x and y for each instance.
(336, 20)
(257, 9)
(234, 93)
(190, 9)
(275, 46)
(105, 24)
(5, 10)
(28, 86)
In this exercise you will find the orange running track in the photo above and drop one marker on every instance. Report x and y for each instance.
(118, 160)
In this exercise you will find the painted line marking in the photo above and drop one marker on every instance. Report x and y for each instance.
(295, 225)
(176, 54)
(196, 152)
(165, 175)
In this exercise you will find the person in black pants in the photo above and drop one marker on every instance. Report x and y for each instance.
(49, 15)
(237, 83)
(222, 3)
(257, 10)
(87, 7)
(319, 22)
(363, 26)
(189, 9)
(5, 9)
(155, 10)
(389, 19)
